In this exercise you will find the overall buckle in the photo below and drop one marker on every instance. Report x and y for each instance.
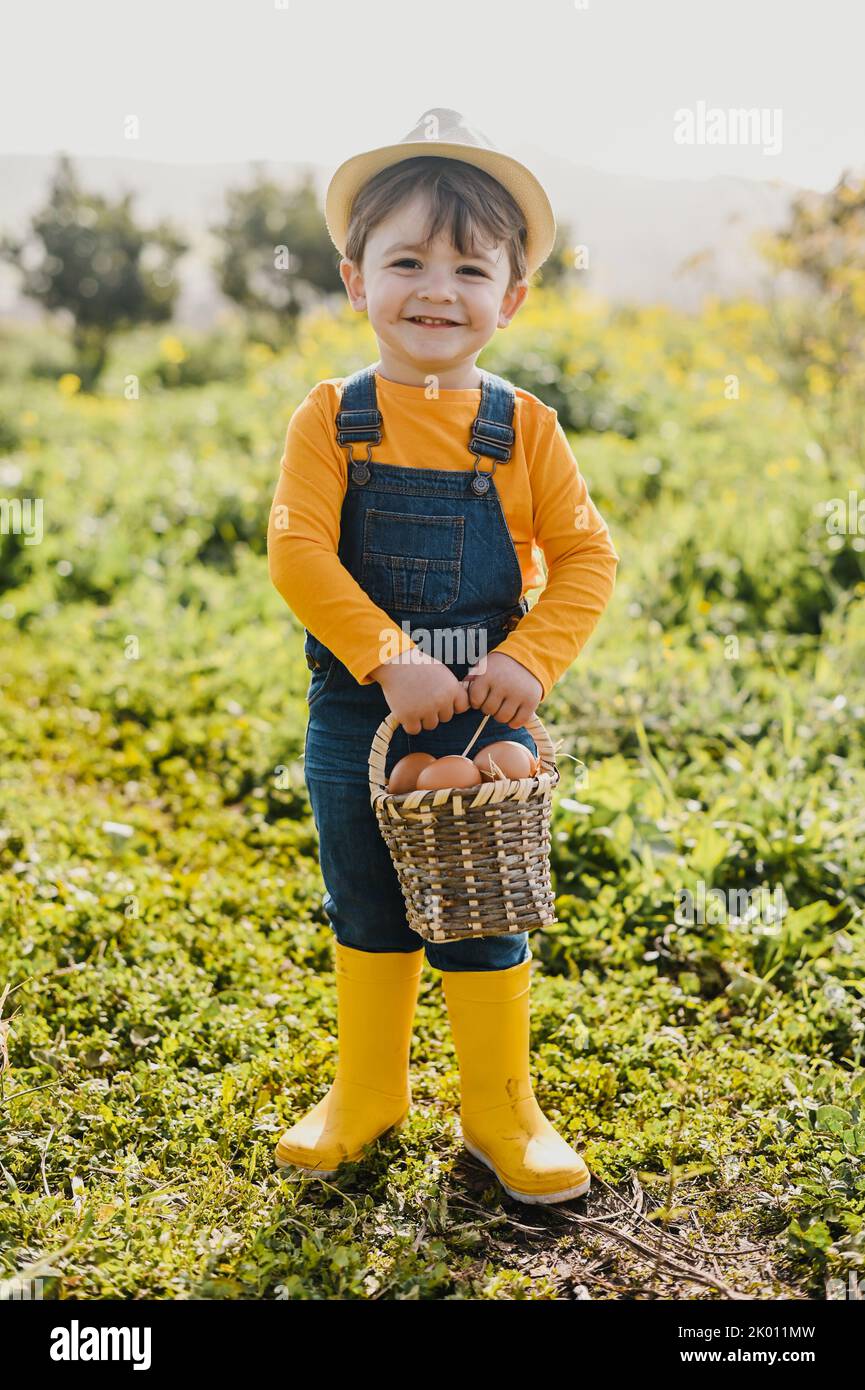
(359, 468)
(481, 481)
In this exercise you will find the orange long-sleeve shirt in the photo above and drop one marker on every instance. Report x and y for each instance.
(544, 498)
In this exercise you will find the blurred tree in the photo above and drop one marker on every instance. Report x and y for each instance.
(567, 263)
(822, 335)
(277, 258)
(87, 256)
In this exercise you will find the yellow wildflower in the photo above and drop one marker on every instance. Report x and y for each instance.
(172, 350)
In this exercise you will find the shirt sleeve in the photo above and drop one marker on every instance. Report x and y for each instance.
(302, 548)
(580, 557)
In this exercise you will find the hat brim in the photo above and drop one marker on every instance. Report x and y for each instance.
(524, 188)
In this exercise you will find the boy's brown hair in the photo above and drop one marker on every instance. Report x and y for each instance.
(469, 202)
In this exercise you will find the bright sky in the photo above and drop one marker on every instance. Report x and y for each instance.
(594, 81)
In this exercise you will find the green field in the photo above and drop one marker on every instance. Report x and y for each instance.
(170, 1005)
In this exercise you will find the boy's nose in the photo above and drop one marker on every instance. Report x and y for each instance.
(438, 293)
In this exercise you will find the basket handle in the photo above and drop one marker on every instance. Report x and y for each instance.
(384, 733)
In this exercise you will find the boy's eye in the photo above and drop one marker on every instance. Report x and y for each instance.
(407, 261)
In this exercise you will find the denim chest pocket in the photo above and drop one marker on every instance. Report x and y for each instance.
(411, 561)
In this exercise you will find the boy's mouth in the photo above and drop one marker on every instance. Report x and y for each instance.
(427, 321)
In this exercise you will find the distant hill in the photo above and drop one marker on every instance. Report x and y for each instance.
(640, 232)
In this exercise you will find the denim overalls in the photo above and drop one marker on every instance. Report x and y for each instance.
(433, 550)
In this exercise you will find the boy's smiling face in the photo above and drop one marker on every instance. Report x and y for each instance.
(401, 283)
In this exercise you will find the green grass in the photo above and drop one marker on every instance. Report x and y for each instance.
(170, 1000)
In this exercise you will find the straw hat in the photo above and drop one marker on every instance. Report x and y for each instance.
(446, 135)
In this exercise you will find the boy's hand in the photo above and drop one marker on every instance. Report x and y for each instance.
(421, 691)
(506, 690)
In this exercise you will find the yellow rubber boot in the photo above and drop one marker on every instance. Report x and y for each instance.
(371, 1093)
(502, 1123)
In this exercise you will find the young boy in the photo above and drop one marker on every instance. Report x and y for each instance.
(439, 234)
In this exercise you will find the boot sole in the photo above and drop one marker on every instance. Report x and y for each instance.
(332, 1172)
(566, 1194)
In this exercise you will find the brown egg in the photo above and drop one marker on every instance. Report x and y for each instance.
(453, 771)
(512, 758)
(404, 775)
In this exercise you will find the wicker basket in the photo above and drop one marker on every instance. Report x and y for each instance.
(470, 861)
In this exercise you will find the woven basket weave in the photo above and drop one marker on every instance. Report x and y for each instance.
(471, 861)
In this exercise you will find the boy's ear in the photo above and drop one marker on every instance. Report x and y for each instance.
(512, 302)
(353, 280)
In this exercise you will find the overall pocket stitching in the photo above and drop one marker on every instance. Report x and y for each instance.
(447, 567)
(455, 523)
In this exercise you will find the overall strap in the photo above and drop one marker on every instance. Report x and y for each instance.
(359, 421)
(492, 430)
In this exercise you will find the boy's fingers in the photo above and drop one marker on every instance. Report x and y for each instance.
(507, 712)
(461, 699)
(492, 705)
(475, 693)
